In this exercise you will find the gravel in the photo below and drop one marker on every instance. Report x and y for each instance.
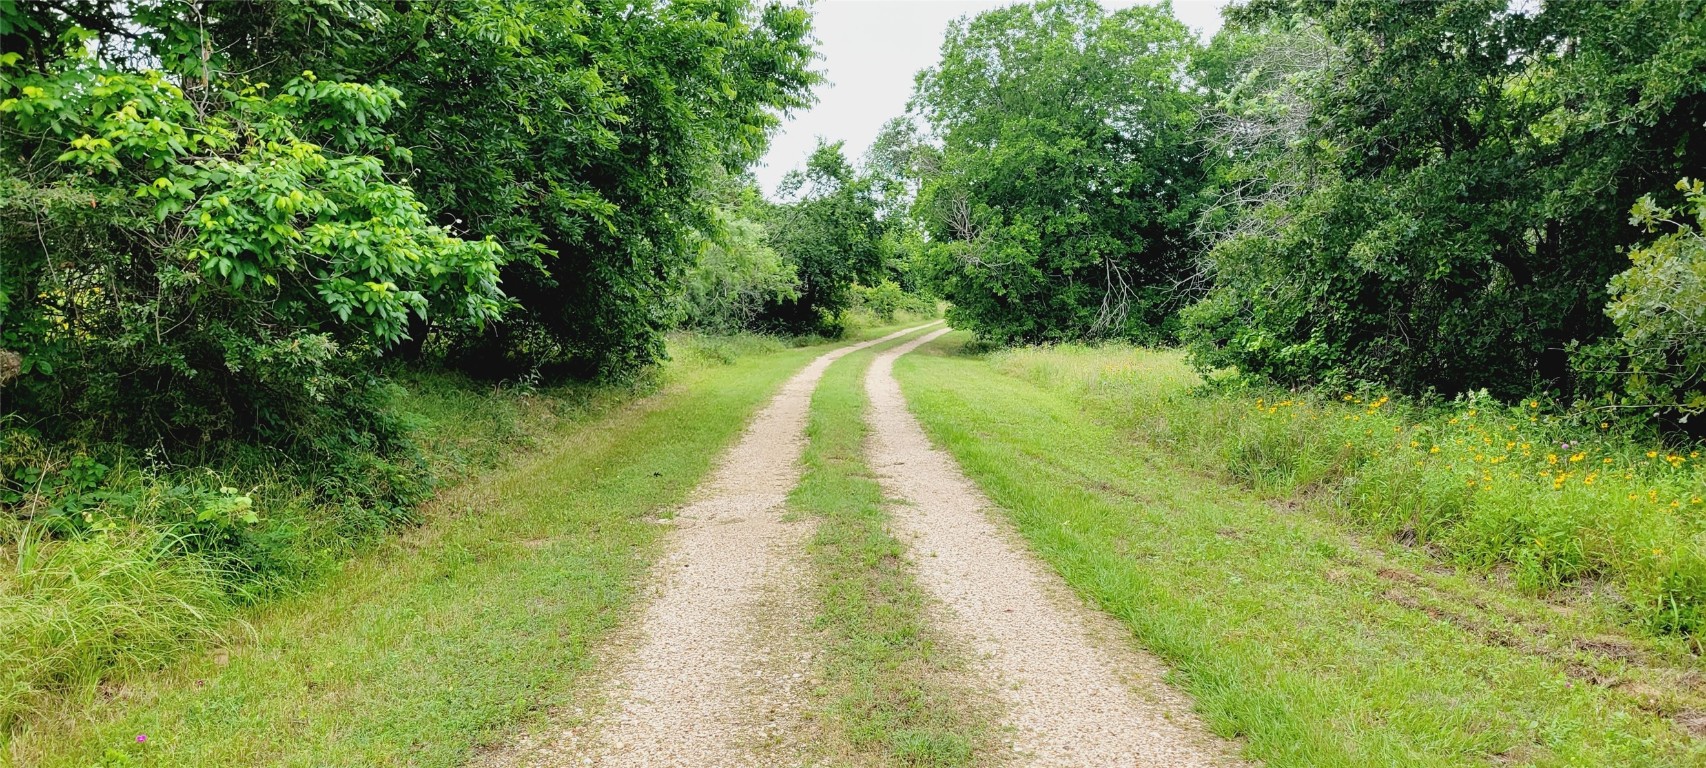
(1075, 690)
(713, 674)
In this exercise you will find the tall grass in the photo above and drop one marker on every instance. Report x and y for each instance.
(76, 611)
(1555, 497)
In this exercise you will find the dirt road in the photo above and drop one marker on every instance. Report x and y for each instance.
(713, 672)
(1076, 693)
(710, 676)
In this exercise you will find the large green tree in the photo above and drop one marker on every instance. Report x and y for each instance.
(1060, 200)
(579, 133)
(1468, 168)
(830, 230)
(187, 254)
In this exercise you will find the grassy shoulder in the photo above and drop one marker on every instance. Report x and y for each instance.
(892, 689)
(113, 562)
(1562, 500)
(415, 651)
(1317, 644)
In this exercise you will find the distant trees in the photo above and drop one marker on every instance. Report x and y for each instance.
(839, 240)
(1058, 197)
(736, 273)
(831, 232)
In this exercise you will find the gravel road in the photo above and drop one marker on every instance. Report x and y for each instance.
(712, 673)
(1075, 690)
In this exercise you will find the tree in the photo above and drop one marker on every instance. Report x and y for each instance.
(1059, 205)
(180, 260)
(1467, 164)
(737, 273)
(830, 232)
(579, 133)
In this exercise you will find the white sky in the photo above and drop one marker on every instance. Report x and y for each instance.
(871, 49)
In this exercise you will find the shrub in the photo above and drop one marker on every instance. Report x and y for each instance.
(887, 300)
(1657, 359)
(188, 266)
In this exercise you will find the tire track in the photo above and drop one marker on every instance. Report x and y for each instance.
(1075, 691)
(711, 676)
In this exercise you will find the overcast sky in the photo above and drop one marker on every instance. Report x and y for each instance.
(871, 49)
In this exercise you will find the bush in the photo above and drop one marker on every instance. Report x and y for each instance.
(180, 267)
(114, 560)
(1657, 359)
(886, 301)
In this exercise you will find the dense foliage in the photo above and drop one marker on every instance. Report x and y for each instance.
(1657, 357)
(210, 202)
(1058, 198)
(1433, 195)
(831, 232)
(228, 227)
(181, 260)
(737, 273)
(579, 134)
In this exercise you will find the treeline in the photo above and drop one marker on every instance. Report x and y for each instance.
(1429, 197)
(839, 240)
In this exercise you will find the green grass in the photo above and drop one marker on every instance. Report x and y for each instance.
(1555, 497)
(1316, 644)
(118, 603)
(892, 689)
(453, 633)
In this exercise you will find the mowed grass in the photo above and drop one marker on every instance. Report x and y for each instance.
(892, 689)
(1318, 645)
(450, 634)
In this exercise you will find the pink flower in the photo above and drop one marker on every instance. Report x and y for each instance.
(141, 738)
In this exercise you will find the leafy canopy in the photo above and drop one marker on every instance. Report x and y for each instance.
(1059, 197)
(185, 252)
(1434, 192)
